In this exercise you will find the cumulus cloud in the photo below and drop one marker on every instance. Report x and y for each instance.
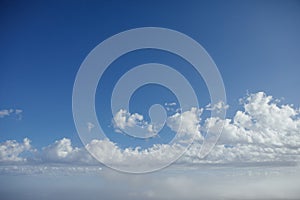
(135, 124)
(123, 119)
(10, 150)
(62, 151)
(264, 134)
(264, 131)
(187, 122)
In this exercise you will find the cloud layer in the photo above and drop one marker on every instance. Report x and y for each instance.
(263, 131)
(75, 183)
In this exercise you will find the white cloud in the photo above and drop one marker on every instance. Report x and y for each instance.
(5, 112)
(170, 104)
(18, 111)
(10, 150)
(171, 107)
(143, 159)
(49, 169)
(265, 123)
(217, 107)
(90, 126)
(187, 122)
(9, 112)
(264, 131)
(62, 151)
(123, 119)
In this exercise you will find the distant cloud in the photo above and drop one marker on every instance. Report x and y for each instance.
(10, 150)
(187, 122)
(62, 151)
(264, 131)
(90, 126)
(124, 119)
(217, 107)
(9, 112)
(4, 113)
(170, 104)
(49, 169)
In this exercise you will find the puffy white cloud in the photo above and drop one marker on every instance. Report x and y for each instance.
(266, 123)
(123, 119)
(187, 122)
(143, 159)
(264, 131)
(186, 125)
(62, 151)
(10, 150)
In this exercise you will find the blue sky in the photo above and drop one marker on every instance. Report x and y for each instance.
(255, 45)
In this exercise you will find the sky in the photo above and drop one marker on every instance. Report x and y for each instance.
(255, 46)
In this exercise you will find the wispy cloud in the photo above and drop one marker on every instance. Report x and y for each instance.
(9, 112)
(90, 126)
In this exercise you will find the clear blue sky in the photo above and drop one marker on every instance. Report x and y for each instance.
(255, 44)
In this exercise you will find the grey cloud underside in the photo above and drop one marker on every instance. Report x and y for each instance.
(263, 132)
